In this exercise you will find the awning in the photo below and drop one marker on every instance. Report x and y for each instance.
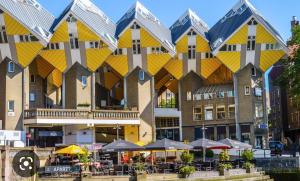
(208, 144)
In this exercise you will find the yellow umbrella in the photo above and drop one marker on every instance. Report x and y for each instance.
(71, 150)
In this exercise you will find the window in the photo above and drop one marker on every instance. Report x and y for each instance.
(221, 112)
(230, 94)
(3, 35)
(247, 90)
(71, 19)
(221, 95)
(118, 51)
(53, 46)
(209, 55)
(229, 48)
(208, 96)
(32, 78)
(197, 113)
(253, 71)
(94, 44)
(209, 113)
(28, 38)
(272, 46)
(11, 67)
(11, 106)
(259, 111)
(136, 46)
(141, 75)
(252, 22)
(158, 50)
(251, 43)
(191, 33)
(73, 41)
(231, 111)
(189, 96)
(192, 52)
(84, 81)
(135, 26)
(32, 97)
(197, 97)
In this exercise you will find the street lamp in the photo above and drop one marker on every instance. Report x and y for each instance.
(203, 137)
(118, 127)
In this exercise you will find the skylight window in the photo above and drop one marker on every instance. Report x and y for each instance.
(41, 31)
(146, 14)
(31, 3)
(87, 5)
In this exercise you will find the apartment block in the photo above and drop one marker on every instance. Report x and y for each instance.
(80, 78)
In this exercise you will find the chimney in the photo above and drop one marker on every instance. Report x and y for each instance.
(294, 22)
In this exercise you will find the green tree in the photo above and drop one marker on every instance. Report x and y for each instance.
(290, 78)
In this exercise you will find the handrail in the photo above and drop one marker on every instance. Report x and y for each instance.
(79, 114)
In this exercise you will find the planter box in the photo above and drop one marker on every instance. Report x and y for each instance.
(141, 176)
(251, 170)
(224, 172)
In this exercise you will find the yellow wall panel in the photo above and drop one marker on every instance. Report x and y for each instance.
(209, 66)
(119, 63)
(131, 133)
(96, 57)
(57, 58)
(61, 33)
(231, 60)
(240, 37)
(85, 33)
(263, 36)
(182, 45)
(175, 68)
(26, 52)
(157, 61)
(201, 44)
(125, 41)
(110, 80)
(44, 68)
(55, 78)
(269, 58)
(147, 40)
(13, 27)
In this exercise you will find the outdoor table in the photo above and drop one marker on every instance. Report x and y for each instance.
(198, 166)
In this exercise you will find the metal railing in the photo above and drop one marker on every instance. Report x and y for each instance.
(79, 114)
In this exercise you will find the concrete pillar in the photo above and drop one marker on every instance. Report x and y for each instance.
(125, 92)
(265, 137)
(227, 131)
(179, 109)
(236, 101)
(93, 91)
(64, 135)
(153, 108)
(7, 166)
(63, 94)
(215, 133)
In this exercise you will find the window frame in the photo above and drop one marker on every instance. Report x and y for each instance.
(192, 52)
(247, 90)
(230, 112)
(208, 108)
(196, 114)
(84, 81)
(223, 113)
(9, 104)
(32, 97)
(11, 67)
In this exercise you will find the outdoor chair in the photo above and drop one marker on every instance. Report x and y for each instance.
(118, 169)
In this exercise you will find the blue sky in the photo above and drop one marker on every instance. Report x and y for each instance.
(277, 12)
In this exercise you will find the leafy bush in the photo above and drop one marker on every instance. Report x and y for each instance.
(84, 158)
(224, 156)
(248, 165)
(225, 166)
(247, 155)
(140, 167)
(186, 157)
(186, 171)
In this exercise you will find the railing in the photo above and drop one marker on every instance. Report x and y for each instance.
(79, 114)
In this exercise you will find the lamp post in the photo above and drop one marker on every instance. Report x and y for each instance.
(203, 137)
(118, 127)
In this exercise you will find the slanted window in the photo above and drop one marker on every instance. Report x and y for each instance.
(11, 106)
(32, 78)
(251, 43)
(158, 50)
(197, 113)
(136, 47)
(209, 113)
(94, 44)
(11, 67)
(192, 52)
(247, 90)
(229, 48)
(3, 35)
(118, 51)
(71, 19)
(209, 55)
(84, 81)
(208, 96)
(221, 95)
(191, 33)
(28, 38)
(141, 75)
(231, 111)
(135, 26)
(270, 46)
(221, 112)
(230, 94)
(73, 41)
(53, 46)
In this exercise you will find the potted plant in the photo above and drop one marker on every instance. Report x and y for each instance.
(84, 160)
(186, 170)
(140, 172)
(248, 155)
(224, 166)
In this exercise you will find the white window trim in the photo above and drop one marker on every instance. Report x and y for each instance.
(8, 106)
(247, 87)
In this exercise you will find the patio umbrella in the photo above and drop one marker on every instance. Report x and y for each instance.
(71, 150)
(236, 144)
(166, 144)
(121, 145)
(208, 144)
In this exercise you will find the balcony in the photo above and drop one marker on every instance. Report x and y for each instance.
(70, 116)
